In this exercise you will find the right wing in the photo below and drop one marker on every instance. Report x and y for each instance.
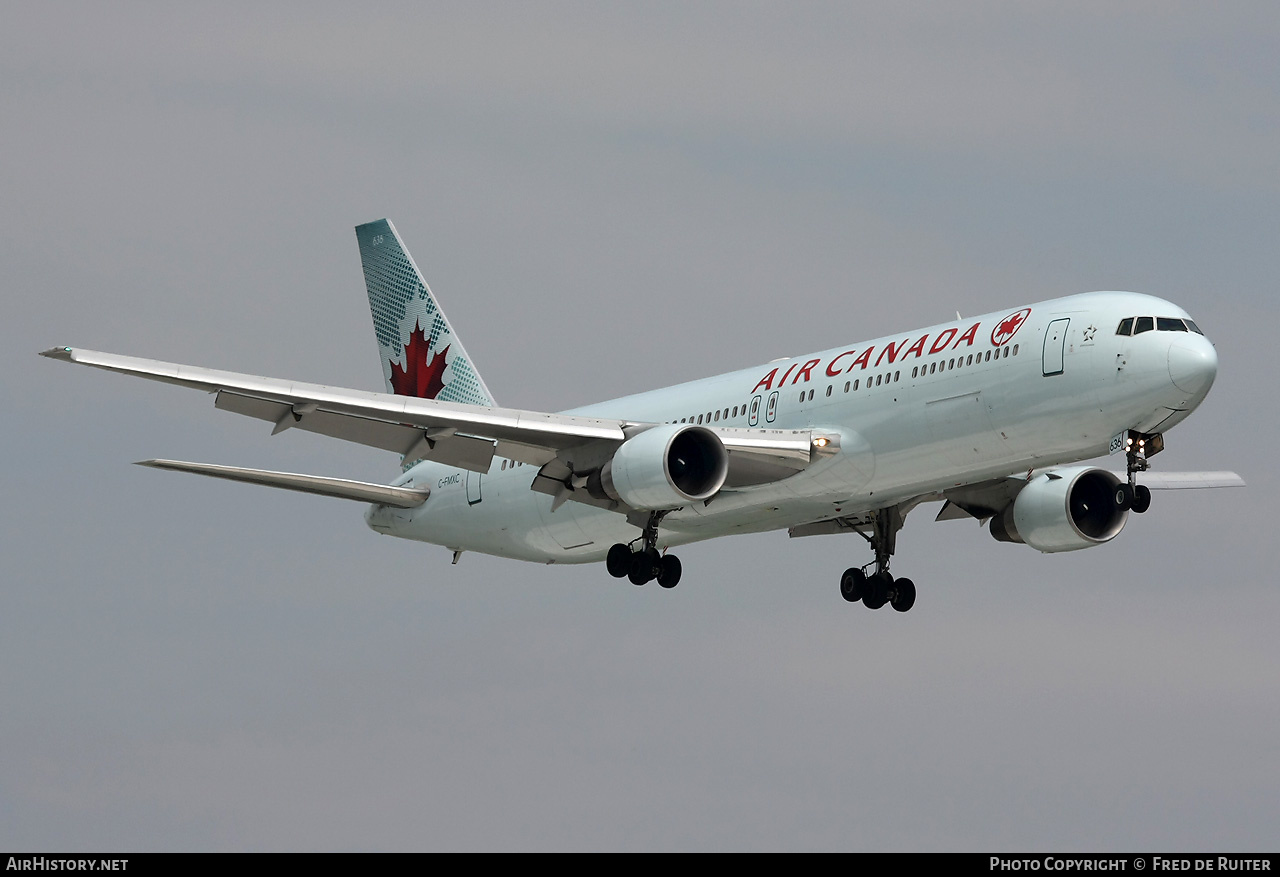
(450, 432)
(468, 436)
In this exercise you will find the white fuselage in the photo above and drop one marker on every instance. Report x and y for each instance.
(916, 413)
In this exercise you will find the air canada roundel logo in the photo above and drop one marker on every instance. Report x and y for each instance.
(1008, 327)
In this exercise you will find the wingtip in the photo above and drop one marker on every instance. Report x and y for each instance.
(57, 353)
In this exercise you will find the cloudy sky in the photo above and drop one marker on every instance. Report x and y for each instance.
(608, 198)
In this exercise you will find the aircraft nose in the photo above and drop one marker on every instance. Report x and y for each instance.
(1193, 364)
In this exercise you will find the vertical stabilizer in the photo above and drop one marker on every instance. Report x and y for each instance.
(421, 354)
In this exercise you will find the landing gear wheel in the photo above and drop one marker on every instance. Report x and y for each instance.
(669, 571)
(618, 560)
(1123, 497)
(904, 594)
(1141, 498)
(852, 583)
(876, 591)
(644, 566)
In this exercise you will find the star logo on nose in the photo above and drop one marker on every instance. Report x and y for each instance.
(1090, 332)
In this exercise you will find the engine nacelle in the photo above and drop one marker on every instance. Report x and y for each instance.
(664, 467)
(1063, 510)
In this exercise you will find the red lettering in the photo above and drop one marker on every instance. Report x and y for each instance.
(766, 381)
(785, 374)
(943, 340)
(967, 336)
(832, 371)
(917, 348)
(864, 360)
(892, 350)
(808, 367)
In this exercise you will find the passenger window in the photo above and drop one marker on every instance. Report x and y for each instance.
(1143, 324)
(811, 395)
(699, 418)
(846, 386)
(802, 395)
(1169, 324)
(1015, 350)
(915, 371)
(897, 375)
(855, 385)
(828, 389)
(970, 361)
(878, 378)
(1125, 327)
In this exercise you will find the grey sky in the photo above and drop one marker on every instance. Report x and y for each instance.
(607, 199)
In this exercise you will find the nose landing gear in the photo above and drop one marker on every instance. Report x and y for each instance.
(1138, 447)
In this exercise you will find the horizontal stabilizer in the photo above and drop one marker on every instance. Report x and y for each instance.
(342, 488)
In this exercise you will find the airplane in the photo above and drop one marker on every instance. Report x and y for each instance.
(992, 416)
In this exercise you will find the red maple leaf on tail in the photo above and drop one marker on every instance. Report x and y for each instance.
(422, 374)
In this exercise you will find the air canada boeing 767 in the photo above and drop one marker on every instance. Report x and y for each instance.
(991, 416)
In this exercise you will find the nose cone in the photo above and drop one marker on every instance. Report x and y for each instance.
(1193, 364)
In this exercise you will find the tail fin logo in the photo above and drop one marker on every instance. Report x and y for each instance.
(422, 374)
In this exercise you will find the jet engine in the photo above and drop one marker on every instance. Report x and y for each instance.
(1063, 510)
(664, 467)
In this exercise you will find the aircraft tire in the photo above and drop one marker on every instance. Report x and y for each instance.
(644, 566)
(876, 592)
(1123, 497)
(1141, 498)
(904, 594)
(852, 584)
(640, 571)
(618, 560)
(669, 571)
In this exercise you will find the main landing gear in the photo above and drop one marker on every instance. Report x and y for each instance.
(880, 587)
(647, 563)
(1133, 496)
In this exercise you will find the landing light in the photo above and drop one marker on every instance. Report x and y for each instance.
(821, 441)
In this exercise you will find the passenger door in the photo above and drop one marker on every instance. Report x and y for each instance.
(1055, 342)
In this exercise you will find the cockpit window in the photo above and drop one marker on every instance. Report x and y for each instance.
(1138, 325)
